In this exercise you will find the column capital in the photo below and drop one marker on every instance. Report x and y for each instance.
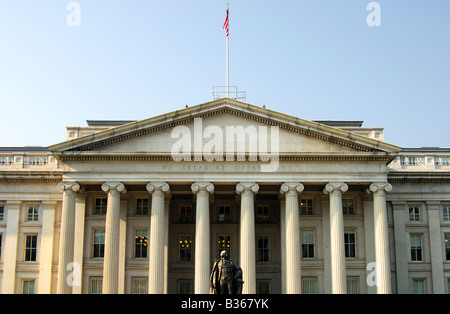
(380, 187)
(113, 186)
(291, 187)
(68, 187)
(335, 186)
(198, 187)
(247, 186)
(158, 186)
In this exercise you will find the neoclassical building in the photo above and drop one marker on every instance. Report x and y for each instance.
(147, 206)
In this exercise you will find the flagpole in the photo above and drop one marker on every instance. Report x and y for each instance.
(228, 55)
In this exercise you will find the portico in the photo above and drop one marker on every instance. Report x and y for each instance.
(287, 227)
(248, 219)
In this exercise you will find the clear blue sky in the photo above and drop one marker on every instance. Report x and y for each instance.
(315, 59)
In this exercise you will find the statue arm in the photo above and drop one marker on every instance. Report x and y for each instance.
(237, 272)
(213, 277)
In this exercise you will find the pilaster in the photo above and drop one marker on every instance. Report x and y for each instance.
(401, 247)
(46, 254)
(437, 258)
(9, 253)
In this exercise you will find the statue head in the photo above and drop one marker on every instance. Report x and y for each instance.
(224, 254)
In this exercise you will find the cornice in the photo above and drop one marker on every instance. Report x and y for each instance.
(30, 180)
(419, 177)
(168, 158)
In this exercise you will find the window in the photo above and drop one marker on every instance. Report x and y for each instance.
(350, 244)
(28, 286)
(224, 243)
(185, 286)
(30, 248)
(309, 285)
(2, 212)
(352, 285)
(306, 206)
(263, 248)
(100, 205)
(139, 285)
(141, 206)
(95, 285)
(185, 248)
(414, 213)
(348, 206)
(307, 243)
(263, 286)
(446, 213)
(446, 241)
(416, 248)
(33, 213)
(419, 286)
(186, 213)
(99, 243)
(262, 213)
(224, 212)
(141, 244)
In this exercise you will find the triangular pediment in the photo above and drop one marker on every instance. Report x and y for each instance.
(155, 136)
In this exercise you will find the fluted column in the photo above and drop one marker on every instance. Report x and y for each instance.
(382, 259)
(67, 235)
(337, 245)
(166, 241)
(293, 245)
(283, 246)
(247, 190)
(157, 230)
(112, 234)
(202, 236)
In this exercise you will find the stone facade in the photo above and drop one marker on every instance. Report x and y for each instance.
(111, 210)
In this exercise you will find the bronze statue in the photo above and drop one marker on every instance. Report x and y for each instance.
(226, 276)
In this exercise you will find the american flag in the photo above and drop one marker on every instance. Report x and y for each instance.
(226, 25)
